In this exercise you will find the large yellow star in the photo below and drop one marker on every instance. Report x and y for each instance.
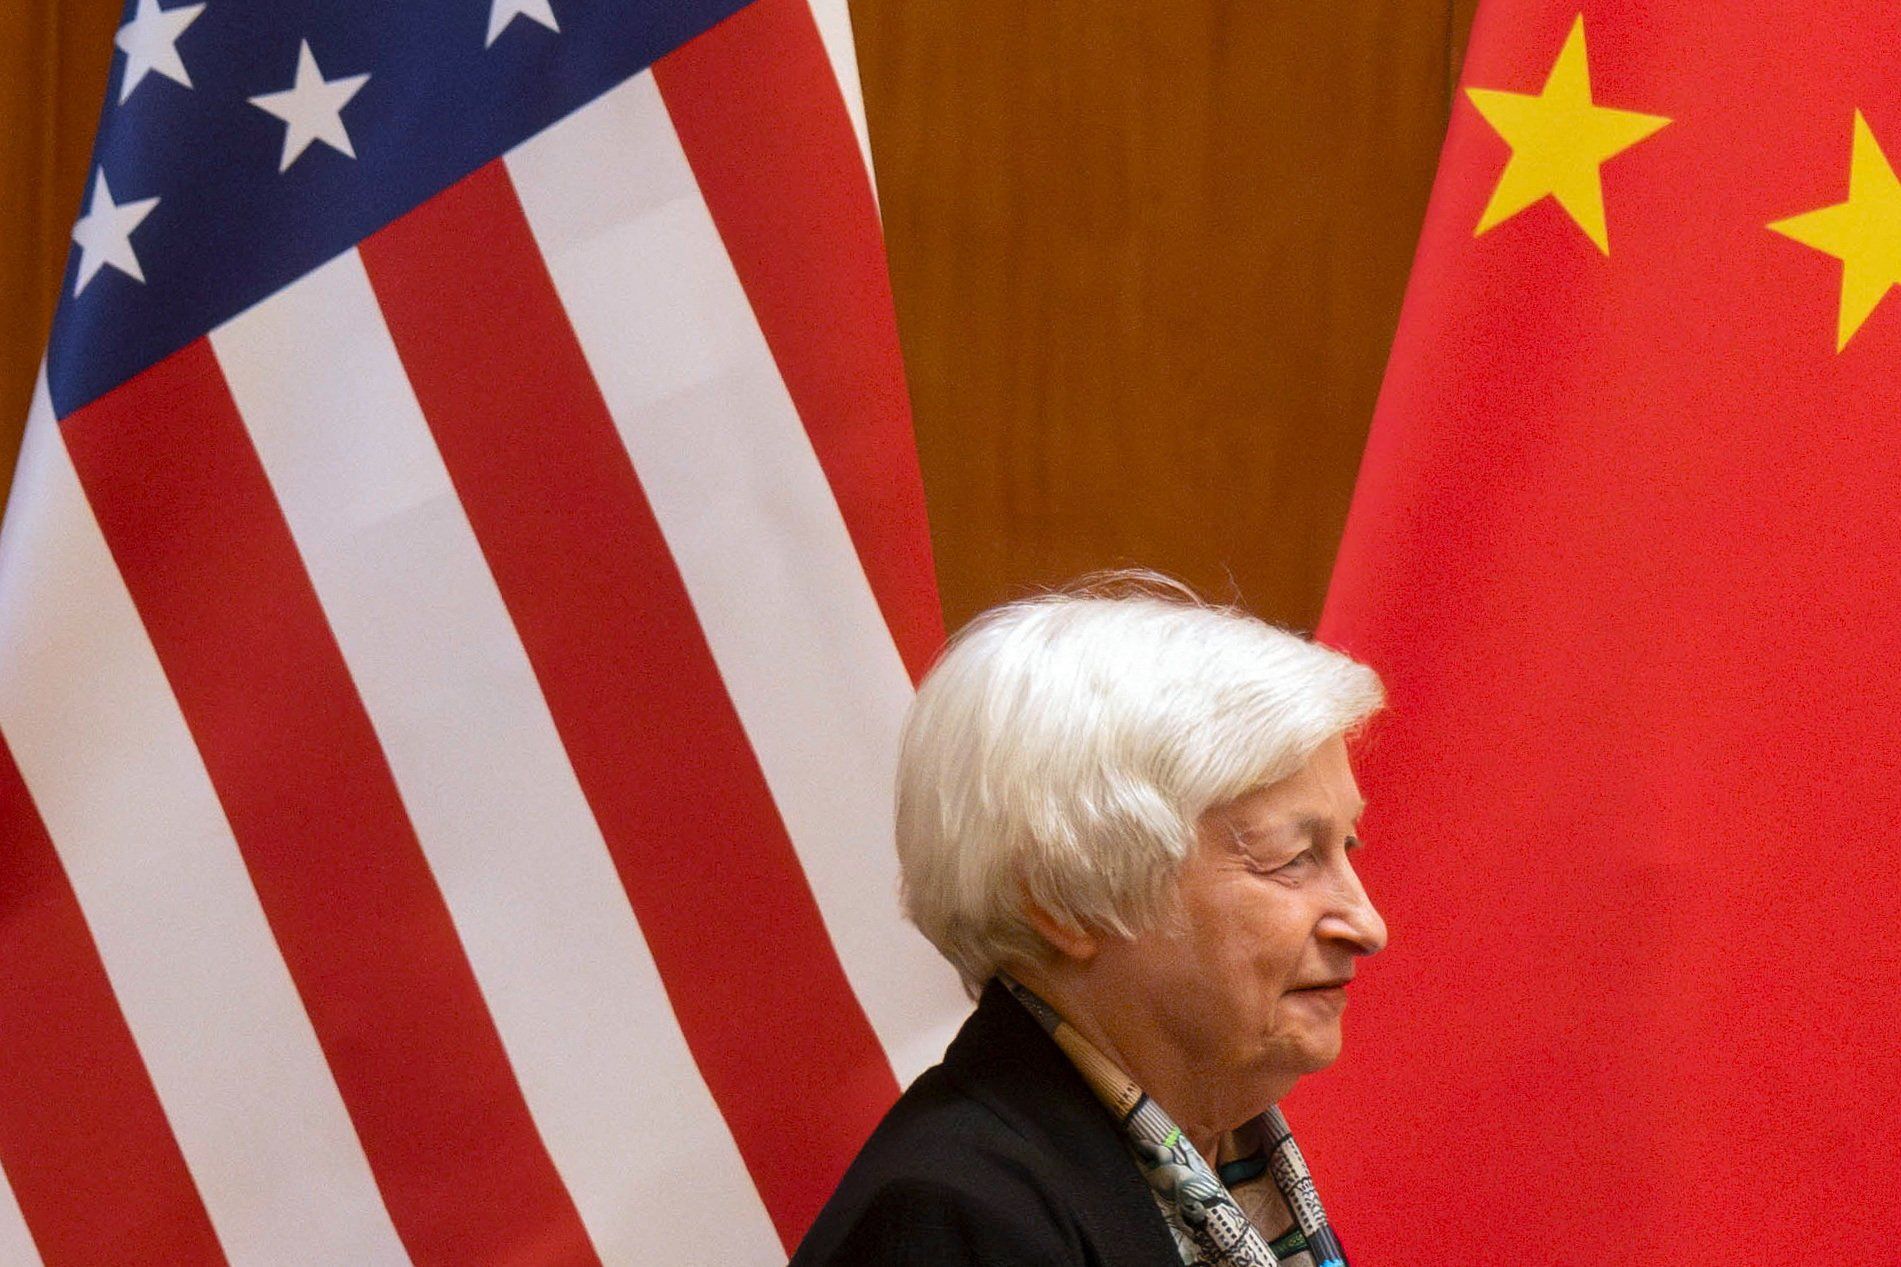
(1864, 233)
(1558, 141)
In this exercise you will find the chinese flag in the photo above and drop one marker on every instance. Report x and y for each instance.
(1626, 547)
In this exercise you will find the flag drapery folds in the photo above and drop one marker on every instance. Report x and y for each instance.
(464, 578)
(1623, 548)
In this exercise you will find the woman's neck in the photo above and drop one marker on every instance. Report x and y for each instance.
(1151, 1062)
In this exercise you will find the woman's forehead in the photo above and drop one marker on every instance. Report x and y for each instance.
(1319, 795)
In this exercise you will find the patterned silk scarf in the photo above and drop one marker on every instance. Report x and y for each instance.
(1211, 1227)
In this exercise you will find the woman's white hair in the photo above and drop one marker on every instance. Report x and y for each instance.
(1064, 745)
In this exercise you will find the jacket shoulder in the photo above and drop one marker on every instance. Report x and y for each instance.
(944, 1180)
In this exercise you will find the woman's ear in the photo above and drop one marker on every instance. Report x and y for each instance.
(1071, 941)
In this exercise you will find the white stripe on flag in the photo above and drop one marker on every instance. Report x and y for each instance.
(752, 523)
(101, 743)
(16, 1243)
(498, 810)
(834, 27)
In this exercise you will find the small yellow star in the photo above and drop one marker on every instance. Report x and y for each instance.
(1558, 141)
(1864, 233)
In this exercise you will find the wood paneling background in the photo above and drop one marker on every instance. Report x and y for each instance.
(54, 57)
(1148, 255)
(1148, 258)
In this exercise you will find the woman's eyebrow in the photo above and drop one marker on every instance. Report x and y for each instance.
(1314, 824)
(1280, 828)
(1309, 824)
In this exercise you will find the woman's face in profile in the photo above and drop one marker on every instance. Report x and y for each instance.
(1250, 981)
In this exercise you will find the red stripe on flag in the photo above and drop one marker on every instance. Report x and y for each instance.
(607, 623)
(759, 112)
(83, 1138)
(197, 533)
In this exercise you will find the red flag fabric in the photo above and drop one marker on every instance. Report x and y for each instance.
(1623, 549)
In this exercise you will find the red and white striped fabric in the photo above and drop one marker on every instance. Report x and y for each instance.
(449, 716)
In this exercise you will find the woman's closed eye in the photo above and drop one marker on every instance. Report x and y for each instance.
(1292, 866)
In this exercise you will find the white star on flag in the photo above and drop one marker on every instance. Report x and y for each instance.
(311, 108)
(150, 42)
(502, 12)
(104, 234)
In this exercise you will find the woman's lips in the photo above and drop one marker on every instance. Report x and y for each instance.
(1335, 994)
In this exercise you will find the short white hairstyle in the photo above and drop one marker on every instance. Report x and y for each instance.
(1064, 745)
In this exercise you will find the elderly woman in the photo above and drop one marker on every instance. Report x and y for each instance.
(1127, 818)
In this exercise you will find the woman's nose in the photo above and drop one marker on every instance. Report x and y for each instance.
(1359, 921)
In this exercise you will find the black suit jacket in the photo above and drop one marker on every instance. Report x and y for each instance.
(1000, 1156)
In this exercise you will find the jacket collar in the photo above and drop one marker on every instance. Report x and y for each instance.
(1004, 1060)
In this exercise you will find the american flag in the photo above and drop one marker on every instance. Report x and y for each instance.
(465, 574)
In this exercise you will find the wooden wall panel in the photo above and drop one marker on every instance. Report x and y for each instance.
(1148, 257)
(54, 57)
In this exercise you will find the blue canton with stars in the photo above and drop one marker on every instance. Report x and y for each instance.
(240, 119)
